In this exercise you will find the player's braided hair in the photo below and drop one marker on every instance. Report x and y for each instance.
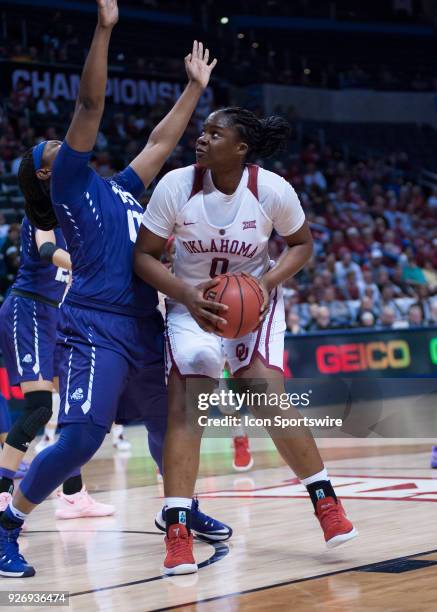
(264, 137)
(37, 202)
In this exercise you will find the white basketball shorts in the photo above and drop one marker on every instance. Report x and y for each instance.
(193, 352)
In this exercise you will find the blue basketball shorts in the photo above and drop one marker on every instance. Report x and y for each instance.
(111, 367)
(28, 339)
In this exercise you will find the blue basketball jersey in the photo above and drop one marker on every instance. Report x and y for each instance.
(100, 219)
(36, 276)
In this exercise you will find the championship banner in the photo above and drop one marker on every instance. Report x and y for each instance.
(127, 89)
(387, 354)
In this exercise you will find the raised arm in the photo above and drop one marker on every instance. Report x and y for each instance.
(46, 243)
(168, 132)
(82, 133)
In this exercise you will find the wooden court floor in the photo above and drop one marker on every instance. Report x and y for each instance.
(275, 561)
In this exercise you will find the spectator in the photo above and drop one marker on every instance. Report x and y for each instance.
(432, 319)
(10, 255)
(346, 265)
(4, 228)
(322, 320)
(350, 289)
(412, 274)
(415, 315)
(388, 299)
(376, 265)
(314, 177)
(367, 319)
(387, 318)
(432, 200)
(366, 305)
(367, 286)
(339, 311)
(293, 323)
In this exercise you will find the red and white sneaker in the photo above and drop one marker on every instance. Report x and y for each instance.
(243, 460)
(179, 558)
(337, 528)
(81, 505)
(5, 498)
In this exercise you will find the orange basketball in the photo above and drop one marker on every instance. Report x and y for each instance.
(244, 298)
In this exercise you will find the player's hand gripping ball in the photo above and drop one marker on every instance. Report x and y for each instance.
(244, 298)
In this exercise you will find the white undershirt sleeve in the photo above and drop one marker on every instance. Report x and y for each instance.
(287, 213)
(160, 214)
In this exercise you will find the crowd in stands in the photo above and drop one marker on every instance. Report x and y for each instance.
(248, 55)
(375, 244)
(374, 225)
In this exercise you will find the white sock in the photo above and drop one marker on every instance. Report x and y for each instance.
(237, 431)
(323, 475)
(117, 432)
(17, 513)
(178, 502)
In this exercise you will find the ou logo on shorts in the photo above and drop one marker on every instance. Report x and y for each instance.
(241, 351)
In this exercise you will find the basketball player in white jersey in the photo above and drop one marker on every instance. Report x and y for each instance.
(222, 212)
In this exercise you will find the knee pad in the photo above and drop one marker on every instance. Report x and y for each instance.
(36, 413)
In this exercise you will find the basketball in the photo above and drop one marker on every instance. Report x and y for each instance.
(244, 298)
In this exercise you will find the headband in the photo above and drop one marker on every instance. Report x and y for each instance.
(37, 152)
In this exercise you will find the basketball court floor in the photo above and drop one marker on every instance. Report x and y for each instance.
(276, 560)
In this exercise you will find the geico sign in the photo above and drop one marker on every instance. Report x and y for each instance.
(332, 358)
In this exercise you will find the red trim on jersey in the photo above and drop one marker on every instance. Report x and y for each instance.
(269, 325)
(199, 173)
(252, 183)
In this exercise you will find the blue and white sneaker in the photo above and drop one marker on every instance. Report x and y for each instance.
(12, 564)
(203, 526)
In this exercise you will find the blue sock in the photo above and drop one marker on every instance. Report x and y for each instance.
(156, 434)
(10, 520)
(5, 473)
(5, 416)
(6, 480)
(77, 443)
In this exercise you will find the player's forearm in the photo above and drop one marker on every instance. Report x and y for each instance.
(154, 273)
(62, 259)
(92, 88)
(170, 130)
(290, 263)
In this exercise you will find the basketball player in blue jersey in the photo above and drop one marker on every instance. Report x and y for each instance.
(28, 322)
(5, 420)
(110, 332)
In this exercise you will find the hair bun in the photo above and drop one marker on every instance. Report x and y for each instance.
(274, 135)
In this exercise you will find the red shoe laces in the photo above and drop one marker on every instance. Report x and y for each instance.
(178, 545)
(331, 514)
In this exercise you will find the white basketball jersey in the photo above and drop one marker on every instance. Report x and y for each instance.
(217, 233)
(204, 250)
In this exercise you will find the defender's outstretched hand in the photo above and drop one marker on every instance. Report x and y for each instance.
(108, 13)
(196, 65)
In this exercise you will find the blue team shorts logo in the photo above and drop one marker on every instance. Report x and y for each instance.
(77, 394)
(27, 358)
